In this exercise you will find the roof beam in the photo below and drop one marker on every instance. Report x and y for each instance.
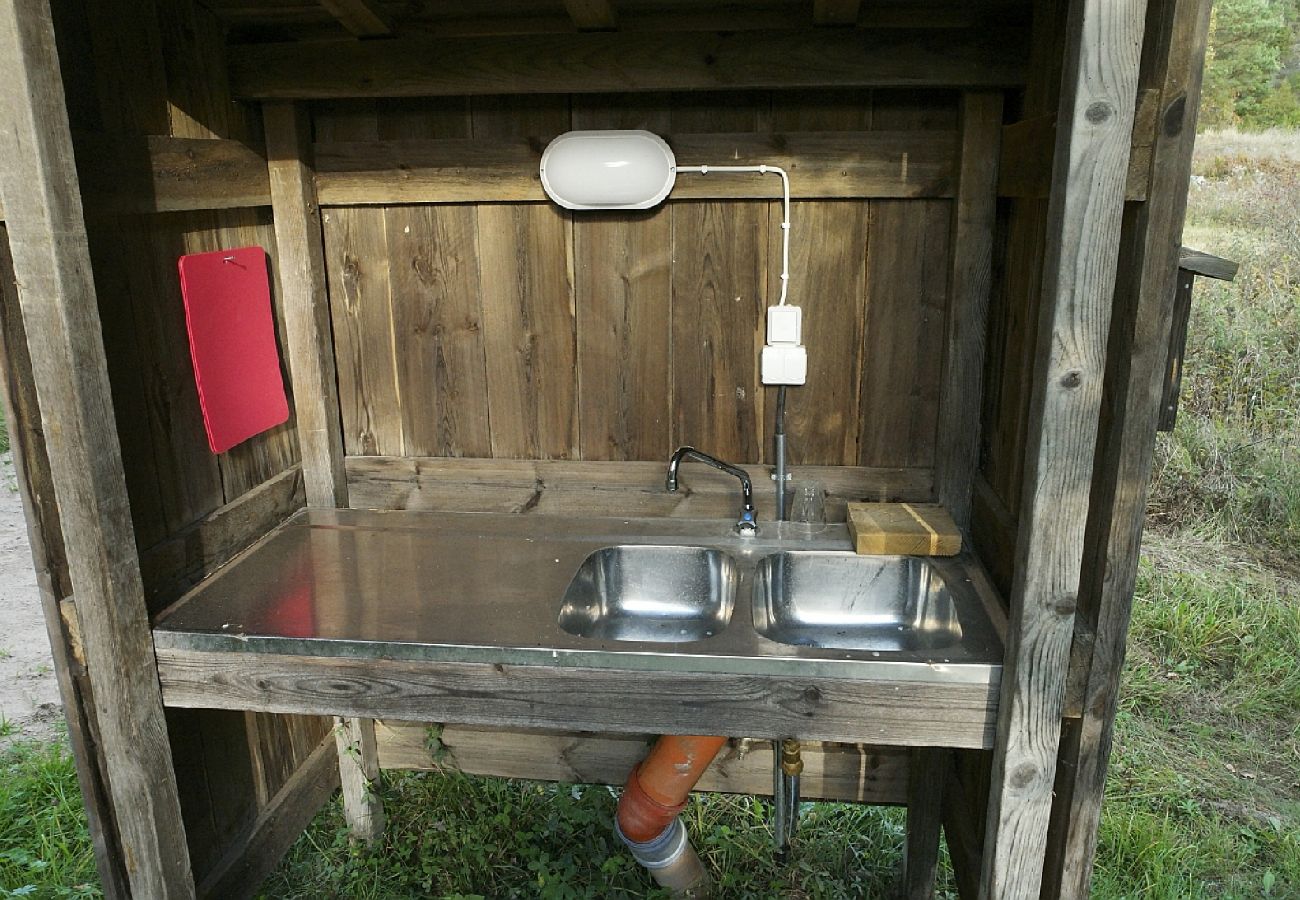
(623, 61)
(364, 18)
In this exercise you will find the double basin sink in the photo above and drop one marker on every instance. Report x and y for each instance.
(833, 600)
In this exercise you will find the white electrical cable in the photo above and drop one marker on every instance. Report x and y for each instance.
(785, 209)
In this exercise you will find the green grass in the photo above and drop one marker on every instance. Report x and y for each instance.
(44, 846)
(1203, 798)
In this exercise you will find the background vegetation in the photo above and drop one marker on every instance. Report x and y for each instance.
(1203, 798)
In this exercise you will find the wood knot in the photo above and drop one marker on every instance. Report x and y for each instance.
(1066, 605)
(498, 668)
(1099, 112)
(1071, 380)
(812, 697)
(1024, 775)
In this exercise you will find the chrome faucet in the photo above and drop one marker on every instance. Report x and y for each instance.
(747, 525)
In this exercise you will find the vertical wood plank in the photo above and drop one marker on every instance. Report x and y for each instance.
(1144, 301)
(438, 330)
(356, 259)
(529, 331)
(828, 254)
(623, 300)
(525, 256)
(1099, 90)
(970, 282)
(719, 304)
(302, 279)
(907, 296)
(52, 265)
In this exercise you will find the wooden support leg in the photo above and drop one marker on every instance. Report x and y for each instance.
(359, 776)
(925, 779)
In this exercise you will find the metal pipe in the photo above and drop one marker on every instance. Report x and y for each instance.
(791, 771)
(778, 441)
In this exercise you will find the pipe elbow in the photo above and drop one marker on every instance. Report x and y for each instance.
(642, 818)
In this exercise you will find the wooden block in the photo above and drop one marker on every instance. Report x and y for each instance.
(910, 529)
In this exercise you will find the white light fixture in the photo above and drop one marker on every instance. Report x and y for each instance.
(637, 170)
(608, 170)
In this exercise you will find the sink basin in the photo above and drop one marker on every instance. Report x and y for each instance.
(657, 594)
(844, 601)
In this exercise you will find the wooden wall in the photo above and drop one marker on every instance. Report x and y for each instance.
(132, 69)
(520, 331)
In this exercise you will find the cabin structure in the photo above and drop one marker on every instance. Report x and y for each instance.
(987, 202)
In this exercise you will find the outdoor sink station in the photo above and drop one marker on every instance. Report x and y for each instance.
(683, 397)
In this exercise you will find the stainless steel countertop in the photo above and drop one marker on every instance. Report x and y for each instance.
(486, 588)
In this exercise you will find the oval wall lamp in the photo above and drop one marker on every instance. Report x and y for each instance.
(608, 170)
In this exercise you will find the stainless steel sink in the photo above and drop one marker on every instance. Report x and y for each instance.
(657, 594)
(843, 601)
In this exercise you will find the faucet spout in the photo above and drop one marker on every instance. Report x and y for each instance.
(747, 524)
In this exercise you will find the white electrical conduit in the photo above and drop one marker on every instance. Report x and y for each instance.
(785, 209)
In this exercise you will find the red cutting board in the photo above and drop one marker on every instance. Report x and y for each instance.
(232, 344)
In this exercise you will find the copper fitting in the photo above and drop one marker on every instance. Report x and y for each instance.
(791, 757)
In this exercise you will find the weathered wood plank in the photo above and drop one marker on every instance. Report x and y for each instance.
(248, 862)
(623, 284)
(1025, 169)
(591, 15)
(185, 558)
(359, 777)
(1135, 369)
(897, 712)
(836, 12)
(614, 61)
(51, 263)
(306, 304)
(831, 165)
(155, 173)
(438, 330)
(970, 283)
(356, 262)
(719, 297)
(1173, 383)
(1207, 264)
(927, 773)
(1098, 96)
(556, 487)
(847, 772)
(364, 18)
(63, 627)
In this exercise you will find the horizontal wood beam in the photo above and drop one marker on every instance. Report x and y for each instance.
(180, 562)
(1207, 264)
(364, 18)
(856, 773)
(902, 713)
(166, 174)
(822, 165)
(617, 61)
(560, 487)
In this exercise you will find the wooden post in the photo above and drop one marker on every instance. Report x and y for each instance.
(315, 393)
(47, 233)
(926, 774)
(1134, 383)
(1098, 98)
(970, 281)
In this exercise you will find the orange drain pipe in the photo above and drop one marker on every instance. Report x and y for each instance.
(655, 794)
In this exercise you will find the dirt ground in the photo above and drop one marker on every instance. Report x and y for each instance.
(29, 694)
